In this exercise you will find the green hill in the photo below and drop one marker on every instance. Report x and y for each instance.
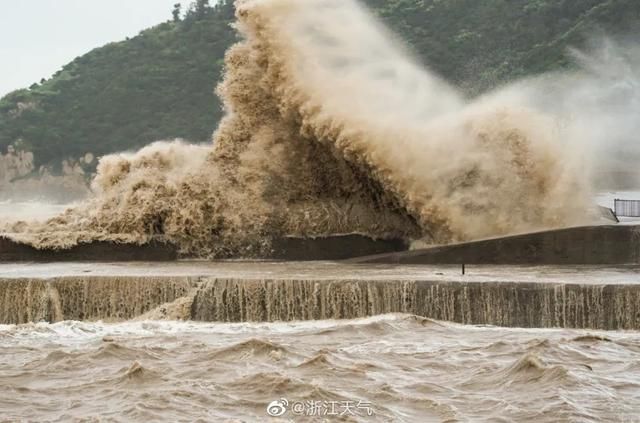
(159, 84)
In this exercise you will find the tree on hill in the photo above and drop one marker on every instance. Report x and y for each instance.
(176, 12)
(202, 6)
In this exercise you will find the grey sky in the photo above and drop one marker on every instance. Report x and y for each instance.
(37, 37)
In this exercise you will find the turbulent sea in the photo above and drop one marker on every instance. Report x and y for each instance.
(385, 368)
(333, 128)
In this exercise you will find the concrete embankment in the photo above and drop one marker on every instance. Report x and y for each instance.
(335, 247)
(605, 244)
(572, 297)
(611, 245)
(97, 251)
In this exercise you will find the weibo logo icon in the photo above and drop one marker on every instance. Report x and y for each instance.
(277, 408)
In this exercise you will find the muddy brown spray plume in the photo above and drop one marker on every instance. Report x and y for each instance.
(331, 127)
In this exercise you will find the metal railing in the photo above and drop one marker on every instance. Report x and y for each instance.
(626, 208)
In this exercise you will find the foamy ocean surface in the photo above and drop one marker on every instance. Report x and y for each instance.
(385, 368)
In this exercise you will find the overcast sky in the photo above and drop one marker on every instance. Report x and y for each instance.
(38, 37)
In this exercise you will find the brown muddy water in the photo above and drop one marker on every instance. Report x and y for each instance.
(394, 367)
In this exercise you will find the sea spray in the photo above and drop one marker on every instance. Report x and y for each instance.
(332, 128)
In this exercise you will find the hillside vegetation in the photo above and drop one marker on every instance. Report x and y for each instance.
(159, 84)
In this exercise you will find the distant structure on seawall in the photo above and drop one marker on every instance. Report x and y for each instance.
(626, 208)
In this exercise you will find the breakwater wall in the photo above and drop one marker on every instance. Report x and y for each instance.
(231, 299)
(604, 244)
(97, 251)
(335, 247)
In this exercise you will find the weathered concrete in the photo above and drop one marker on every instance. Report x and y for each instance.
(619, 244)
(98, 251)
(515, 296)
(335, 247)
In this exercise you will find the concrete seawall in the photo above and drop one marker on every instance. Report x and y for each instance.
(336, 247)
(97, 251)
(571, 297)
(606, 244)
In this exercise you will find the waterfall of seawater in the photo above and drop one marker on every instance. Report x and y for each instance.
(509, 301)
(88, 298)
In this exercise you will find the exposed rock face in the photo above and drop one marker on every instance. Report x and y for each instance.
(21, 180)
(14, 164)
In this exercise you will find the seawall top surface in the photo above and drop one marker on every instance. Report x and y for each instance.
(334, 271)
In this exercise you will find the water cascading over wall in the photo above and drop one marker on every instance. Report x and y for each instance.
(237, 299)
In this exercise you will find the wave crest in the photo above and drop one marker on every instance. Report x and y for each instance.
(332, 127)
